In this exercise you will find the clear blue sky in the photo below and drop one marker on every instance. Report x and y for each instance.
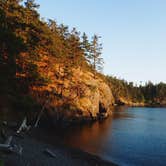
(133, 33)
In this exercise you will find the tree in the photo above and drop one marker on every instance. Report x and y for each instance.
(63, 30)
(85, 45)
(96, 59)
(52, 25)
(31, 5)
(11, 45)
(74, 47)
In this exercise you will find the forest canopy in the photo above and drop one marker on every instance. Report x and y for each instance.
(25, 39)
(150, 94)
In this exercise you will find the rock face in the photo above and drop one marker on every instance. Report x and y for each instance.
(75, 96)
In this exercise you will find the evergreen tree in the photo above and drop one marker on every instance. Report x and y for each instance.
(74, 46)
(96, 59)
(86, 47)
(52, 25)
(31, 5)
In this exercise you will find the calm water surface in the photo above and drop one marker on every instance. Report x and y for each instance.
(133, 136)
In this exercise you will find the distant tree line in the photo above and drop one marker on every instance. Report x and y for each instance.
(152, 94)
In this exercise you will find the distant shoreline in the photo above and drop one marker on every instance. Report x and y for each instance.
(141, 105)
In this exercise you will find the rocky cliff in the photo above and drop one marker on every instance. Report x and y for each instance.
(72, 95)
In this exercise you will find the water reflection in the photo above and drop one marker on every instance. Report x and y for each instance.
(120, 113)
(90, 137)
(132, 136)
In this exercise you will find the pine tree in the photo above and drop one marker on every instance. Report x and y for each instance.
(52, 25)
(31, 5)
(74, 46)
(85, 45)
(96, 59)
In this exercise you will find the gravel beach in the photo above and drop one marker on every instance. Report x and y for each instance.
(37, 153)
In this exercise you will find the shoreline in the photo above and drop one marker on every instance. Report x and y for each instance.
(140, 105)
(34, 153)
(33, 146)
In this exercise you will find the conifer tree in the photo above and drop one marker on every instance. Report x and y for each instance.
(31, 5)
(96, 59)
(86, 47)
(76, 52)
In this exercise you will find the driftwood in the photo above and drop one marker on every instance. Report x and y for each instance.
(40, 114)
(7, 147)
(11, 148)
(24, 126)
(50, 153)
(4, 146)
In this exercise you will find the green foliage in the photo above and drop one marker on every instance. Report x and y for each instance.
(31, 5)
(25, 39)
(86, 47)
(149, 93)
(92, 52)
(21, 26)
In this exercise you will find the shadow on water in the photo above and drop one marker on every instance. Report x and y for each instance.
(87, 137)
(132, 136)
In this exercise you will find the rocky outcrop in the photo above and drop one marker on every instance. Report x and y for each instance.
(73, 96)
(121, 101)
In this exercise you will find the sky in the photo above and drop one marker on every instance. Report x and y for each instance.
(133, 33)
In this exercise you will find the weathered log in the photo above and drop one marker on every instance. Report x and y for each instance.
(50, 153)
(7, 147)
(23, 126)
(11, 149)
(40, 114)
(4, 146)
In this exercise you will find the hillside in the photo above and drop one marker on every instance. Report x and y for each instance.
(44, 64)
